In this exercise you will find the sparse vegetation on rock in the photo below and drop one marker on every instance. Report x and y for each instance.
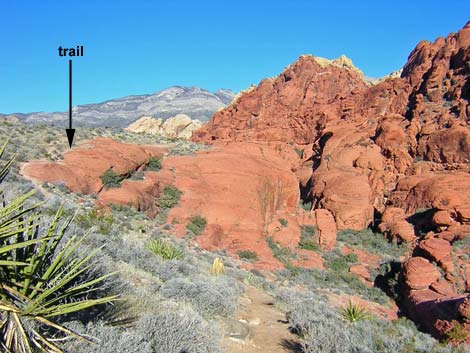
(308, 238)
(154, 164)
(248, 255)
(111, 179)
(196, 225)
(169, 197)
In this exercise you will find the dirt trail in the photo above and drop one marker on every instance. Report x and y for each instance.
(268, 329)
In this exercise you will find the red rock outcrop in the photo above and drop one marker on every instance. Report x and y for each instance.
(82, 167)
(395, 225)
(326, 229)
(243, 190)
(400, 148)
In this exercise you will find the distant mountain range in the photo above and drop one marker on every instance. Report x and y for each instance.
(193, 101)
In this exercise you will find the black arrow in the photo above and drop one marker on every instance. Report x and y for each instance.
(70, 132)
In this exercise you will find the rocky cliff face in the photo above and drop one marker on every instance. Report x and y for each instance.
(193, 101)
(387, 151)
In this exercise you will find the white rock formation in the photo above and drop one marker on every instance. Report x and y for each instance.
(180, 126)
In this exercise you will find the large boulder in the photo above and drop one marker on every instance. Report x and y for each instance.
(180, 126)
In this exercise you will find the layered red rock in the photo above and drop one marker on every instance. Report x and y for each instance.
(81, 170)
(243, 190)
(402, 145)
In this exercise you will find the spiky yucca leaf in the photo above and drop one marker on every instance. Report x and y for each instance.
(354, 312)
(166, 250)
(6, 167)
(41, 277)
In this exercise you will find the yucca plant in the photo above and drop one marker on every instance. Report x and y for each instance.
(166, 250)
(354, 312)
(217, 267)
(41, 279)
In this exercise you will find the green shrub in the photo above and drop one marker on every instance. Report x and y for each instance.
(166, 250)
(461, 243)
(248, 255)
(111, 179)
(169, 197)
(457, 334)
(283, 222)
(154, 164)
(340, 263)
(374, 243)
(95, 218)
(283, 254)
(196, 225)
(300, 152)
(308, 238)
(40, 281)
(306, 206)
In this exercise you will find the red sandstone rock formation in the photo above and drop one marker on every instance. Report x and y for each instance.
(81, 169)
(398, 148)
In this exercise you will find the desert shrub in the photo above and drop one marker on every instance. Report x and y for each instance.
(306, 206)
(109, 339)
(169, 197)
(340, 263)
(457, 334)
(169, 329)
(323, 330)
(111, 179)
(125, 212)
(283, 222)
(196, 225)
(461, 243)
(371, 242)
(248, 255)
(164, 249)
(176, 330)
(42, 277)
(209, 295)
(154, 164)
(283, 254)
(337, 281)
(308, 238)
(102, 221)
(175, 269)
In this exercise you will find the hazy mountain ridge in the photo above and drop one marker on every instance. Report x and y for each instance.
(120, 112)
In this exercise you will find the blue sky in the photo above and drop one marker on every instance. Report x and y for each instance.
(136, 47)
